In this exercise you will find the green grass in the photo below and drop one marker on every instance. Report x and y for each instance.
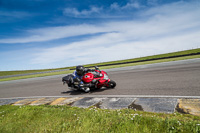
(5, 73)
(193, 51)
(36, 75)
(152, 62)
(19, 119)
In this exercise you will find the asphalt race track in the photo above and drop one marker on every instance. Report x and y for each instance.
(180, 78)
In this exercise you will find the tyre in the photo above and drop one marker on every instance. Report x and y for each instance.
(112, 84)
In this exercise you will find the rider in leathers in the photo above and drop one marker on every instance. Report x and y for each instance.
(79, 73)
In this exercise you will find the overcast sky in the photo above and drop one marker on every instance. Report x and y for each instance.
(39, 34)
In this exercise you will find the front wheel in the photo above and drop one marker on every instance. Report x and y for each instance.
(111, 84)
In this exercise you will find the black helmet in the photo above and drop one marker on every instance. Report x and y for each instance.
(80, 70)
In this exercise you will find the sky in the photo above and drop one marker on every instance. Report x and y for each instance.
(43, 34)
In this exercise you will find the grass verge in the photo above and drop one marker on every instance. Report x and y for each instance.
(36, 75)
(78, 120)
(5, 73)
(153, 57)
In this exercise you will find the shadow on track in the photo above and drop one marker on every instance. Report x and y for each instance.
(82, 93)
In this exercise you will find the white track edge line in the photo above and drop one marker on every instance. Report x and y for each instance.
(110, 96)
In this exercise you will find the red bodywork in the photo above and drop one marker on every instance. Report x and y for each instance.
(102, 80)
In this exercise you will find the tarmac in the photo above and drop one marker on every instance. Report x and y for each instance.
(185, 105)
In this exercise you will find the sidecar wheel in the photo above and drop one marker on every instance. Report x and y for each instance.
(112, 84)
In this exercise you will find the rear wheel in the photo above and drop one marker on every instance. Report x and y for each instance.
(111, 84)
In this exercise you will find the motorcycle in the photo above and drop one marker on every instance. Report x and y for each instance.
(93, 80)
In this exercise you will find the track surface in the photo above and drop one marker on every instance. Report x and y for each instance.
(180, 78)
